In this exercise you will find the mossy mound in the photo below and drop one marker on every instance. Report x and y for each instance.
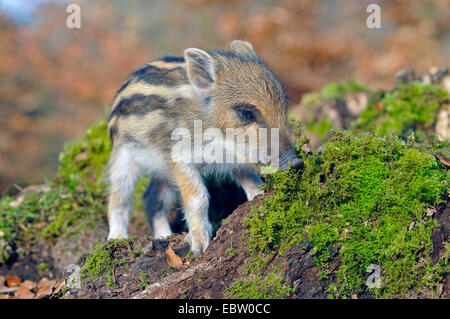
(71, 203)
(106, 257)
(409, 109)
(365, 198)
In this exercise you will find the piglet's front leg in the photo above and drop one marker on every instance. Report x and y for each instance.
(194, 195)
(250, 182)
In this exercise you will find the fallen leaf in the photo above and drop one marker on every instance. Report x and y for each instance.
(42, 282)
(23, 293)
(344, 233)
(61, 284)
(431, 211)
(306, 149)
(28, 284)
(40, 225)
(12, 281)
(173, 259)
(44, 292)
(411, 226)
(7, 297)
(354, 296)
(81, 157)
(2, 282)
(46, 282)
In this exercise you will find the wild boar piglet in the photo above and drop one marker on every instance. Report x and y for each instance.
(179, 118)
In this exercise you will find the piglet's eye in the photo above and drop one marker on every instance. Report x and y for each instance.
(245, 116)
(245, 113)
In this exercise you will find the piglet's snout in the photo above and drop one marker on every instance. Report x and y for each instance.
(291, 160)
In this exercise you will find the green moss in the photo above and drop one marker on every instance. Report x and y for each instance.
(144, 281)
(109, 282)
(321, 128)
(75, 200)
(231, 251)
(82, 177)
(364, 197)
(252, 286)
(409, 109)
(103, 259)
(43, 266)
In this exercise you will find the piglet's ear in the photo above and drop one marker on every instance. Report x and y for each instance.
(200, 70)
(243, 47)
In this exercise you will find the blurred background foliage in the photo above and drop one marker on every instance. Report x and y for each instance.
(55, 81)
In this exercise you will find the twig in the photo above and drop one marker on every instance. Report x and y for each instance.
(6, 290)
(442, 159)
(269, 261)
(114, 276)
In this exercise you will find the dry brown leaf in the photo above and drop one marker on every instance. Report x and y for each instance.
(173, 259)
(81, 157)
(431, 211)
(44, 292)
(12, 281)
(344, 233)
(379, 105)
(354, 296)
(40, 225)
(28, 284)
(46, 282)
(42, 282)
(23, 293)
(306, 149)
(7, 297)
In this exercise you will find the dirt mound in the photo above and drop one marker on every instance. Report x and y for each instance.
(205, 277)
(144, 270)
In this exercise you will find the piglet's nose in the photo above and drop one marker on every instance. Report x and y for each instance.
(297, 163)
(294, 163)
